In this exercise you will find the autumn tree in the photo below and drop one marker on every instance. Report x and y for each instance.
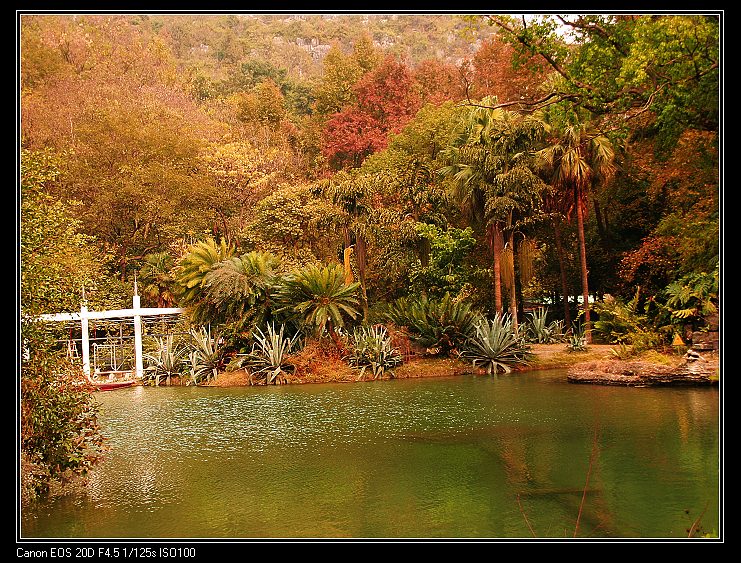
(386, 101)
(294, 224)
(128, 138)
(439, 81)
(335, 89)
(620, 66)
(496, 72)
(264, 104)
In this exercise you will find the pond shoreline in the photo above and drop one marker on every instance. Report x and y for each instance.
(597, 359)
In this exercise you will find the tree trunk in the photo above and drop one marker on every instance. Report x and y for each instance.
(336, 339)
(562, 268)
(424, 252)
(601, 224)
(584, 271)
(496, 245)
(513, 289)
(360, 254)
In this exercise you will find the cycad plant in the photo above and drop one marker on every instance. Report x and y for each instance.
(372, 350)
(193, 267)
(156, 278)
(206, 356)
(240, 290)
(269, 355)
(321, 298)
(495, 347)
(440, 325)
(167, 361)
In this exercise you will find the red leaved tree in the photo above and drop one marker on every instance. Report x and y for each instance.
(387, 99)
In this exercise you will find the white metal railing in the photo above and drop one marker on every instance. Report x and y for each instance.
(136, 312)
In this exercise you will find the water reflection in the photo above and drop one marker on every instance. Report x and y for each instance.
(459, 457)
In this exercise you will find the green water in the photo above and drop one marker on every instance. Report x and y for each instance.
(463, 457)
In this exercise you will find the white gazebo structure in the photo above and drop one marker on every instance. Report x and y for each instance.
(136, 313)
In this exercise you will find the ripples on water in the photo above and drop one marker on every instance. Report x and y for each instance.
(419, 458)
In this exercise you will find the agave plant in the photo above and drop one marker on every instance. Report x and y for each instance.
(372, 349)
(442, 326)
(167, 361)
(577, 340)
(269, 355)
(540, 331)
(206, 356)
(495, 347)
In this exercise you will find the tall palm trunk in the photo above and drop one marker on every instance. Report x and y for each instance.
(495, 242)
(512, 288)
(361, 255)
(562, 268)
(584, 271)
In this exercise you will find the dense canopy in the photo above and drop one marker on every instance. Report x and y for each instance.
(580, 152)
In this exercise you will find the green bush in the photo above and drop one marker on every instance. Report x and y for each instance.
(622, 323)
(617, 320)
(60, 434)
(442, 326)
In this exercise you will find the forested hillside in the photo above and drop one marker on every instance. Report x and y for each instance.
(499, 163)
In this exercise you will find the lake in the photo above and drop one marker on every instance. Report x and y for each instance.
(510, 456)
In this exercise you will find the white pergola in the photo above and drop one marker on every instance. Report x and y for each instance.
(136, 312)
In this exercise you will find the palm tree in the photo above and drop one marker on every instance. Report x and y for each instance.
(320, 296)
(193, 267)
(156, 278)
(577, 162)
(491, 169)
(240, 289)
(351, 193)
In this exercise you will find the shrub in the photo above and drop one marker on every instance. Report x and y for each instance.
(60, 434)
(621, 323)
(442, 326)
(617, 319)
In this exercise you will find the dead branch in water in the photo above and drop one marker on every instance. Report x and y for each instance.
(586, 484)
(697, 521)
(525, 517)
